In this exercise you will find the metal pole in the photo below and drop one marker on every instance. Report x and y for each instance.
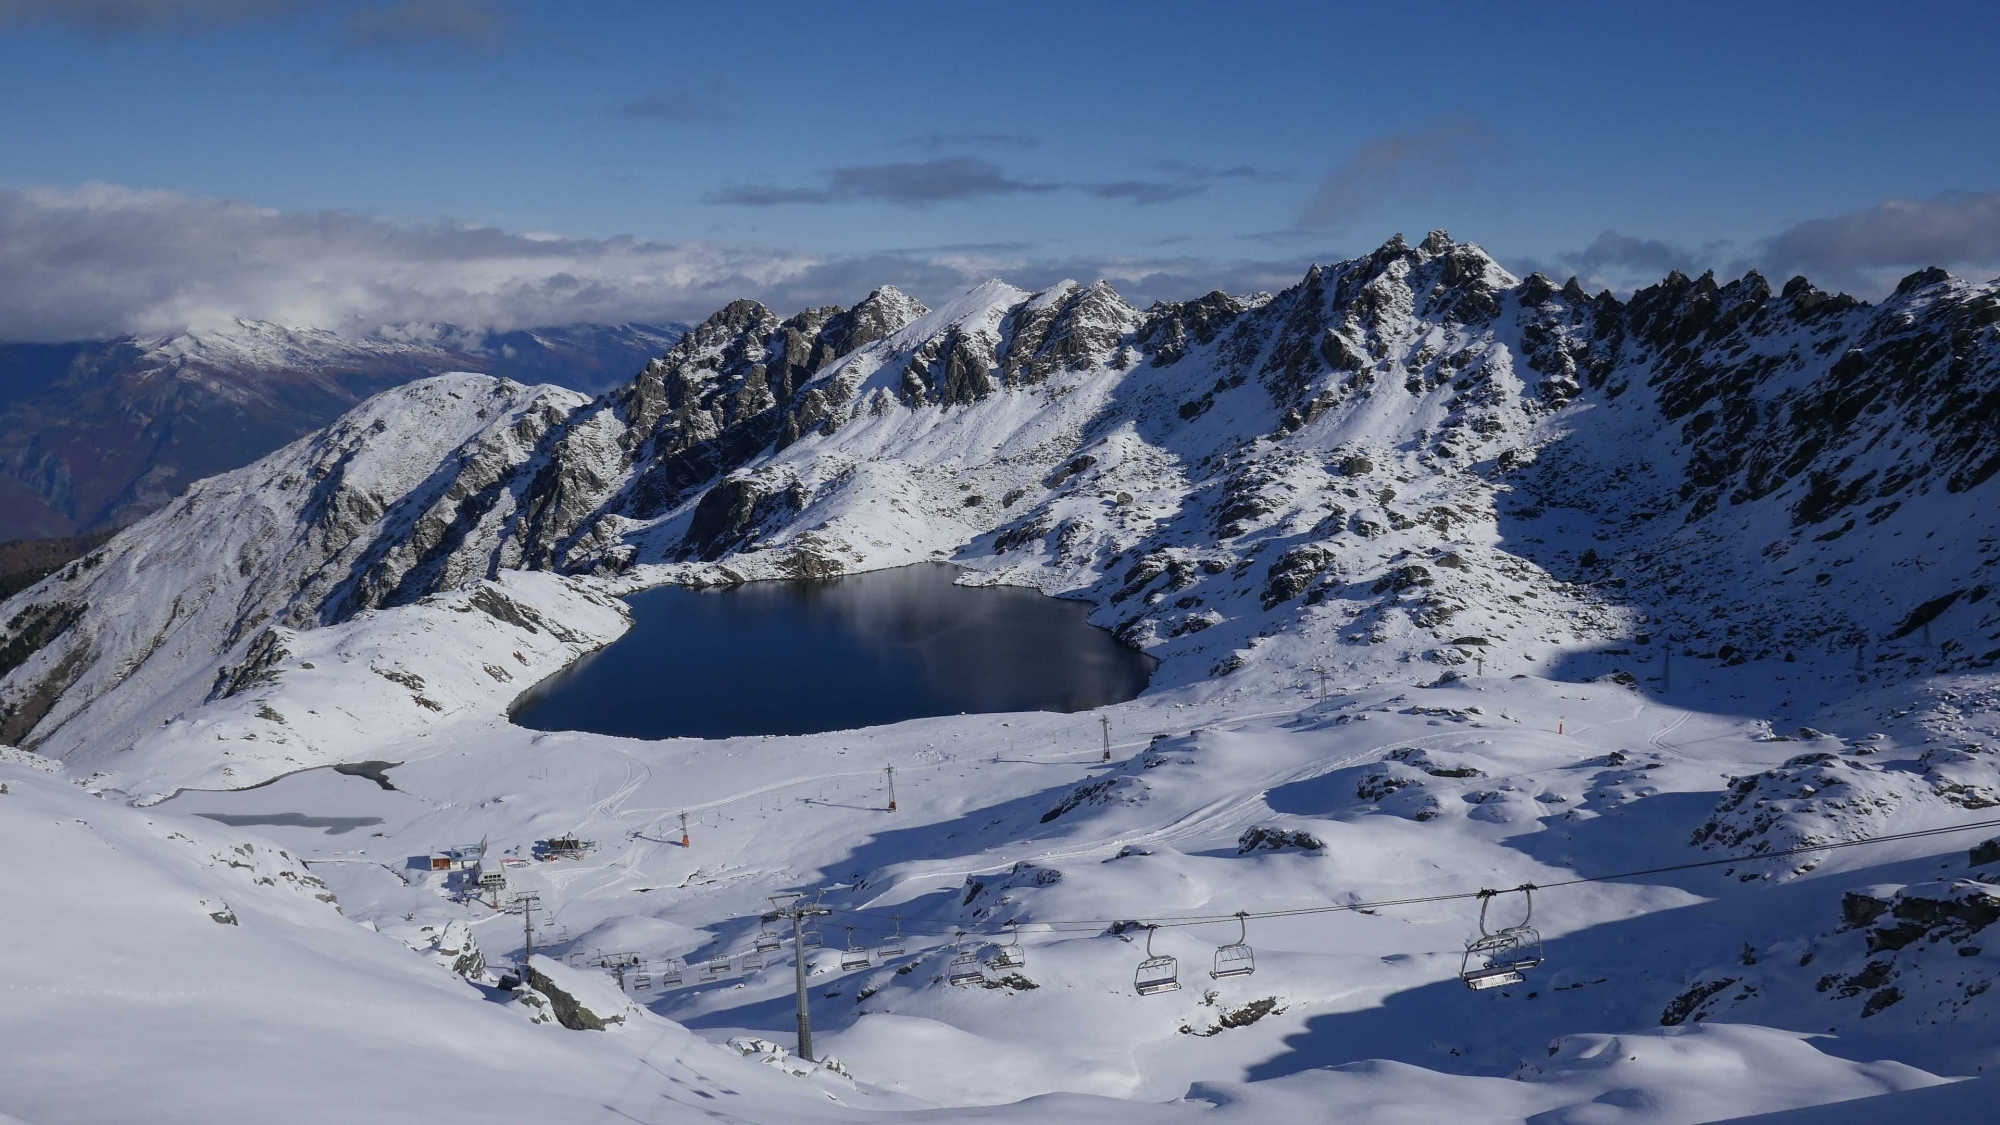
(1106, 720)
(684, 830)
(799, 980)
(527, 903)
(891, 771)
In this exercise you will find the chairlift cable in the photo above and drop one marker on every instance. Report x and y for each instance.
(1074, 924)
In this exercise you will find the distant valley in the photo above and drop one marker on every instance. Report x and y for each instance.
(96, 434)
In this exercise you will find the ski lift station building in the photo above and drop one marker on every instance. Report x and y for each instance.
(488, 875)
(455, 859)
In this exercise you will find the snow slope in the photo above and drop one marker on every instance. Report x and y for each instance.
(1588, 582)
(199, 976)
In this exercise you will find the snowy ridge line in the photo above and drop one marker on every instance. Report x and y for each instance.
(1169, 922)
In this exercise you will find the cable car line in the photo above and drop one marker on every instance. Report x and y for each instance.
(1509, 950)
(1073, 924)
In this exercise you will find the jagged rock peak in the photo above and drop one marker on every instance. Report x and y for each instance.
(1064, 327)
(880, 313)
(1922, 279)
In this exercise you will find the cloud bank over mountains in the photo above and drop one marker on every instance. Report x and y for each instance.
(103, 260)
(1864, 252)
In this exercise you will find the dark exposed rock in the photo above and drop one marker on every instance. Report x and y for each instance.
(1239, 1017)
(1076, 465)
(567, 1010)
(1172, 328)
(1984, 852)
(1256, 838)
(1293, 572)
(1857, 909)
(1403, 578)
(1687, 1002)
(33, 629)
(730, 514)
(260, 662)
(1080, 330)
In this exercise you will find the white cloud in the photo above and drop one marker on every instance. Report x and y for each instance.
(1869, 249)
(102, 260)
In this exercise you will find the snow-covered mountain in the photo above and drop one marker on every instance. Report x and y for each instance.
(96, 434)
(1410, 449)
(1600, 586)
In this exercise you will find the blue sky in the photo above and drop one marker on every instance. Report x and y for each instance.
(422, 152)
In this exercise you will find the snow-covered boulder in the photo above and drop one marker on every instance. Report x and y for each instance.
(577, 999)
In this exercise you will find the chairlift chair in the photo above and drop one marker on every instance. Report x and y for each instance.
(812, 938)
(852, 958)
(964, 967)
(752, 961)
(670, 977)
(716, 969)
(768, 940)
(894, 946)
(1157, 973)
(1236, 959)
(1501, 957)
(1011, 955)
(642, 981)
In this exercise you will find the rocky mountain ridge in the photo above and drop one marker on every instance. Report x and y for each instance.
(1411, 456)
(96, 434)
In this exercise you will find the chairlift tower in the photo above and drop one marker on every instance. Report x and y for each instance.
(1105, 720)
(684, 830)
(891, 772)
(799, 909)
(526, 904)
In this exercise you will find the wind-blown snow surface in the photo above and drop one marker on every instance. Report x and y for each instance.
(1488, 510)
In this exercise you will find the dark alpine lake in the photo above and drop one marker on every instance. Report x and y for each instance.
(834, 654)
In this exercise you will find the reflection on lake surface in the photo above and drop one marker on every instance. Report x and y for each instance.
(834, 654)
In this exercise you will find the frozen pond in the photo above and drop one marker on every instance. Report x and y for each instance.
(306, 807)
(835, 654)
(333, 825)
